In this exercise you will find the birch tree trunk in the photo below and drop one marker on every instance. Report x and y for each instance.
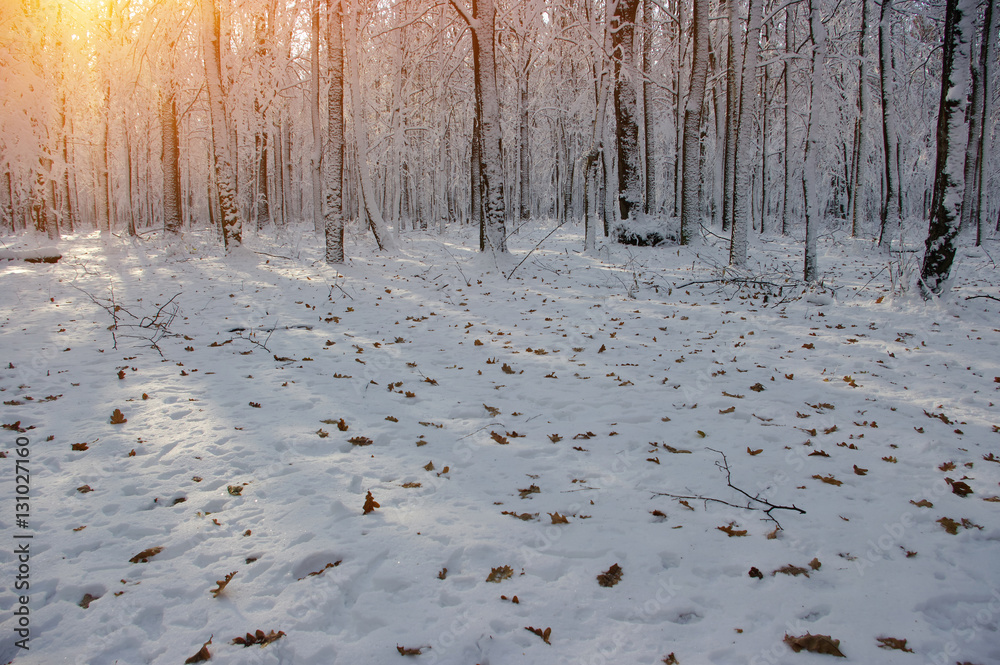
(952, 134)
(383, 238)
(333, 161)
(690, 212)
(742, 198)
(817, 36)
(222, 157)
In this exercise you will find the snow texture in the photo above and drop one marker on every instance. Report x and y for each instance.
(473, 390)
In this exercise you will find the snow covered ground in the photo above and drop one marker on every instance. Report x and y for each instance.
(538, 423)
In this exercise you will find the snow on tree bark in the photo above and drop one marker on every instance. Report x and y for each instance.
(626, 108)
(890, 213)
(333, 161)
(690, 212)
(482, 22)
(977, 116)
(817, 36)
(225, 172)
(952, 134)
(742, 199)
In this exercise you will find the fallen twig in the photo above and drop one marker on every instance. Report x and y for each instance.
(724, 466)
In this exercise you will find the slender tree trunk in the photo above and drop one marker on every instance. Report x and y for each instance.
(744, 143)
(952, 134)
(648, 129)
(524, 184)
(860, 128)
(991, 27)
(734, 80)
(316, 152)
(763, 147)
(222, 157)
(333, 161)
(690, 212)
(817, 36)
(891, 219)
(786, 193)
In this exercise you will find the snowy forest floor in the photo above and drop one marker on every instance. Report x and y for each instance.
(520, 436)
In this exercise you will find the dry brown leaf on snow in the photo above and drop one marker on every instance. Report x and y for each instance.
(202, 655)
(370, 504)
(322, 570)
(893, 643)
(730, 531)
(497, 575)
(758, 451)
(145, 555)
(558, 519)
(117, 417)
(544, 634)
(410, 651)
(829, 480)
(611, 576)
(259, 637)
(815, 644)
(499, 438)
(222, 584)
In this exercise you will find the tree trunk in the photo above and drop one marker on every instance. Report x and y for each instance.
(744, 142)
(817, 35)
(482, 21)
(222, 158)
(690, 212)
(333, 161)
(648, 130)
(952, 133)
(626, 108)
(890, 213)
(786, 193)
(861, 128)
(172, 216)
(316, 149)
(524, 179)
(977, 116)
(734, 80)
